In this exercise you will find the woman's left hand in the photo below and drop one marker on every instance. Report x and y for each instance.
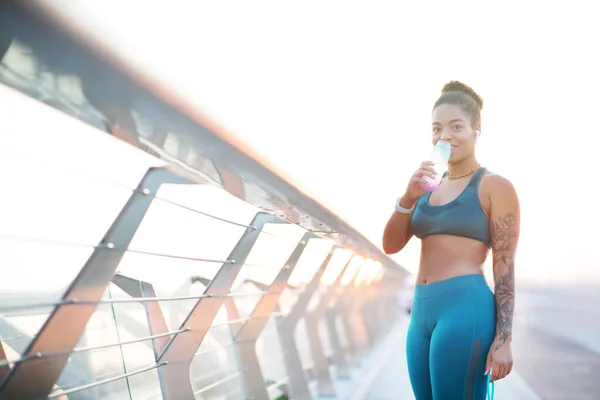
(500, 360)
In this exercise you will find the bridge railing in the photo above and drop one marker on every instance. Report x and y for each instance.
(149, 255)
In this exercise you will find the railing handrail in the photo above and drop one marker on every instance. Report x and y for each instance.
(232, 154)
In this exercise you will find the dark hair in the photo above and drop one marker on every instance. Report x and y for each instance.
(461, 95)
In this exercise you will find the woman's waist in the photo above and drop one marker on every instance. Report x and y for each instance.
(434, 269)
(452, 284)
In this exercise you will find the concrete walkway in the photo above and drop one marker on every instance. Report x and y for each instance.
(393, 382)
(556, 349)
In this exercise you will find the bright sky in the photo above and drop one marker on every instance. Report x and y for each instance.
(338, 94)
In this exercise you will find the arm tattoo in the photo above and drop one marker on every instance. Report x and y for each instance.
(503, 237)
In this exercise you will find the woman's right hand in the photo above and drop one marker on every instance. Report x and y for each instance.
(414, 189)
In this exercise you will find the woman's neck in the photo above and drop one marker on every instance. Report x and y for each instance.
(463, 167)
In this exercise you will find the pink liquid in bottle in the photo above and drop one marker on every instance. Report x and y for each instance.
(439, 155)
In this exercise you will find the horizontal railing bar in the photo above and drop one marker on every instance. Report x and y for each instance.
(102, 382)
(31, 306)
(136, 190)
(73, 384)
(232, 321)
(204, 213)
(122, 343)
(149, 253)
(245, 319)
(217, 383)
(154, 299)
(90, 348)
(223, 219)
(76, 302)
(69, 171)
(163, 155)
(53, 93)
(198, 378)
(54, 242)
(287, 239)
(107, 182)
(107, 246)
(174, 298)
(212, 350)
(126, 342)
(230, 344)
(262, 292)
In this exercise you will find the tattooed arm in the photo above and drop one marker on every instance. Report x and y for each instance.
(504, 232)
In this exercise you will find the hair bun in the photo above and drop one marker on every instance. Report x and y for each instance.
(456, 86)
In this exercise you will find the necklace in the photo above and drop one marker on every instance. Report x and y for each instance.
(463, 175)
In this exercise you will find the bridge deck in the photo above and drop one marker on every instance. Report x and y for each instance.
(556, 351)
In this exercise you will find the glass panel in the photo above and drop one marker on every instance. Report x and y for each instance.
(374, 270)
(215, 373)
(336, 265)
(341, 332)
(270, 357)
(314, 253)
(325, 339)
(132, 324)
(351, 270)
(50, 223)
(185, 238)
(303, 345)
(87, 367)
(269, 254)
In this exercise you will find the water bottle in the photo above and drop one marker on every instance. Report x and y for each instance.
(439, 155)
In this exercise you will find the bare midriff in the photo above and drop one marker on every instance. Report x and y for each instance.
(446, 256)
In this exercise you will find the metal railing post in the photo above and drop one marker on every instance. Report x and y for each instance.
(180, 350)
(350, 300)
(35, 377)
(379, 315)
(339, 354)
(369, 313)
(344, 309)
(156, 320)
(324, 382)
(249, 332)
(356, 319)
(298, 383)
(388, 303)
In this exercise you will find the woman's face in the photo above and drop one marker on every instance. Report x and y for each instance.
(451, 124)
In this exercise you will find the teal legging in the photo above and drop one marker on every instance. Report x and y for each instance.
(451, 329)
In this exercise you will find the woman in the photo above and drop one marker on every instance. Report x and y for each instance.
(459, 330)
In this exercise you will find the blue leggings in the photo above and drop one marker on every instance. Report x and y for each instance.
(451, 329)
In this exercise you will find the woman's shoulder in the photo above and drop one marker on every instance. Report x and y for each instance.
(496, 184)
